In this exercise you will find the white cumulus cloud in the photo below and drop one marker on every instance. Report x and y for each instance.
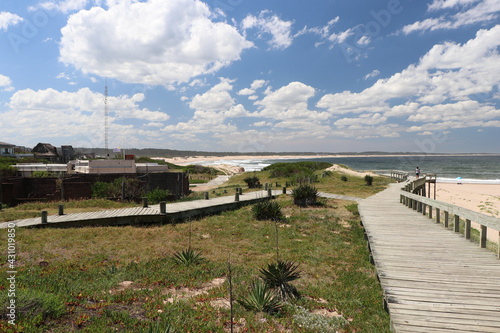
(280, 30)
(8, 19)
(155, 42)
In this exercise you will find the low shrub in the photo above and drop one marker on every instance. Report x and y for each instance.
(252, 181)
(368, 180)
(157, 195)
(267, 210)
(343, 178)
(305, 195)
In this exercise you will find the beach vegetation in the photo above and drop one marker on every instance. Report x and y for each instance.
(278, 277)
(305, 195)
(267, 210)
(127, 189)
(260, 298)
(188, 257)
(127, 281)
(287, 170)
(252, 181)
(157, 195)
(343, 178)
(369, 180)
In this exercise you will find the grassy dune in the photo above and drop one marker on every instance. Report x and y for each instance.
(123, 279)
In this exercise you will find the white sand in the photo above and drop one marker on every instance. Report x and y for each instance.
(482, 198)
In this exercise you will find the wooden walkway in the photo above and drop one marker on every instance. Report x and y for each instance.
(433, 279)
(151, 214)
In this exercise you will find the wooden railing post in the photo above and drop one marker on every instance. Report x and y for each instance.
(456, 227)
(438, 216)
(467, 229)
(446, 218)
(44, 217)
(482, 237)
(430, 212)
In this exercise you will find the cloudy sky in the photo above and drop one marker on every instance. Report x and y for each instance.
(252, 75)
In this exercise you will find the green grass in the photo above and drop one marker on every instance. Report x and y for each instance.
(85, 269)
(86, 265)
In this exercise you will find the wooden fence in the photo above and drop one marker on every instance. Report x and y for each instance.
(444, 210)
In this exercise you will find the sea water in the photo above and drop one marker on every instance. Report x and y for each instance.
(480, 169)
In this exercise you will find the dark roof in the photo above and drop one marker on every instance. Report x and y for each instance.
(6, 144)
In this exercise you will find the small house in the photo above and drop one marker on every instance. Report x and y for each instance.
(46, 151)
(6, 149)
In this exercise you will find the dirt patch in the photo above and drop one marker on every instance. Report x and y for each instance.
(185, 293)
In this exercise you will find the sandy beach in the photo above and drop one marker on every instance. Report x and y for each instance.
(481, 198)
(195, 159)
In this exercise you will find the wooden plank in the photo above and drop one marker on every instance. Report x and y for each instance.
(433, 279)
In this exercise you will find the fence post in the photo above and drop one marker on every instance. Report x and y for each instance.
(163, 207)
(269, 192)
(205, 195)
(236, 196)
(482, 238)
(446, 219)
(61, 209)
(44, 217)
(284, 190)
(467, 229)
(456, 228)
(438, 215)
(430, 212)
(144, 202)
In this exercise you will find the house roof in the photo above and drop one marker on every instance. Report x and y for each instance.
(5, 144)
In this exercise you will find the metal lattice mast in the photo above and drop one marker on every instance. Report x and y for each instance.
(106, 117)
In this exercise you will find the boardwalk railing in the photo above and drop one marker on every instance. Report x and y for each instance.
(429, 206)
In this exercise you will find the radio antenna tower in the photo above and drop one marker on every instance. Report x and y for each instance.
(106, 118)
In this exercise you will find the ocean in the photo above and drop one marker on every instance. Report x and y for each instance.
(479, 169)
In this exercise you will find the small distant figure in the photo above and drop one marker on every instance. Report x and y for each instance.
(417, 172)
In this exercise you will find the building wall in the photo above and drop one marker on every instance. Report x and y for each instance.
(16, 190)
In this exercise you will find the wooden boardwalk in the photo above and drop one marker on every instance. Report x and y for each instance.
(434, 280)
(151, 214)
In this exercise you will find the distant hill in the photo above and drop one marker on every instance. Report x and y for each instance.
(155, 152)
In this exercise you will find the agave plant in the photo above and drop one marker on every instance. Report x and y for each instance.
(261, 298)
(305, 195)
(267, 210)
(188, 257)
(278, 276)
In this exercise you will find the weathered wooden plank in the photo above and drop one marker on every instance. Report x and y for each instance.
(434, 280)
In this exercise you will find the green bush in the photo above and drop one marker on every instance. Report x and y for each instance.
(343, 178)
(157, 195)
(267, 210)
(252, 181)
(368, 180)
(131, 188)
(305, 195)
(287, 169)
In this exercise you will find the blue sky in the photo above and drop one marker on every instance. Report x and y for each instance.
(252, 76)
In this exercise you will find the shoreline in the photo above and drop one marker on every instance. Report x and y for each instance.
(181, 160)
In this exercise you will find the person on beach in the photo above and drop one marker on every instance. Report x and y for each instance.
(417, 172)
